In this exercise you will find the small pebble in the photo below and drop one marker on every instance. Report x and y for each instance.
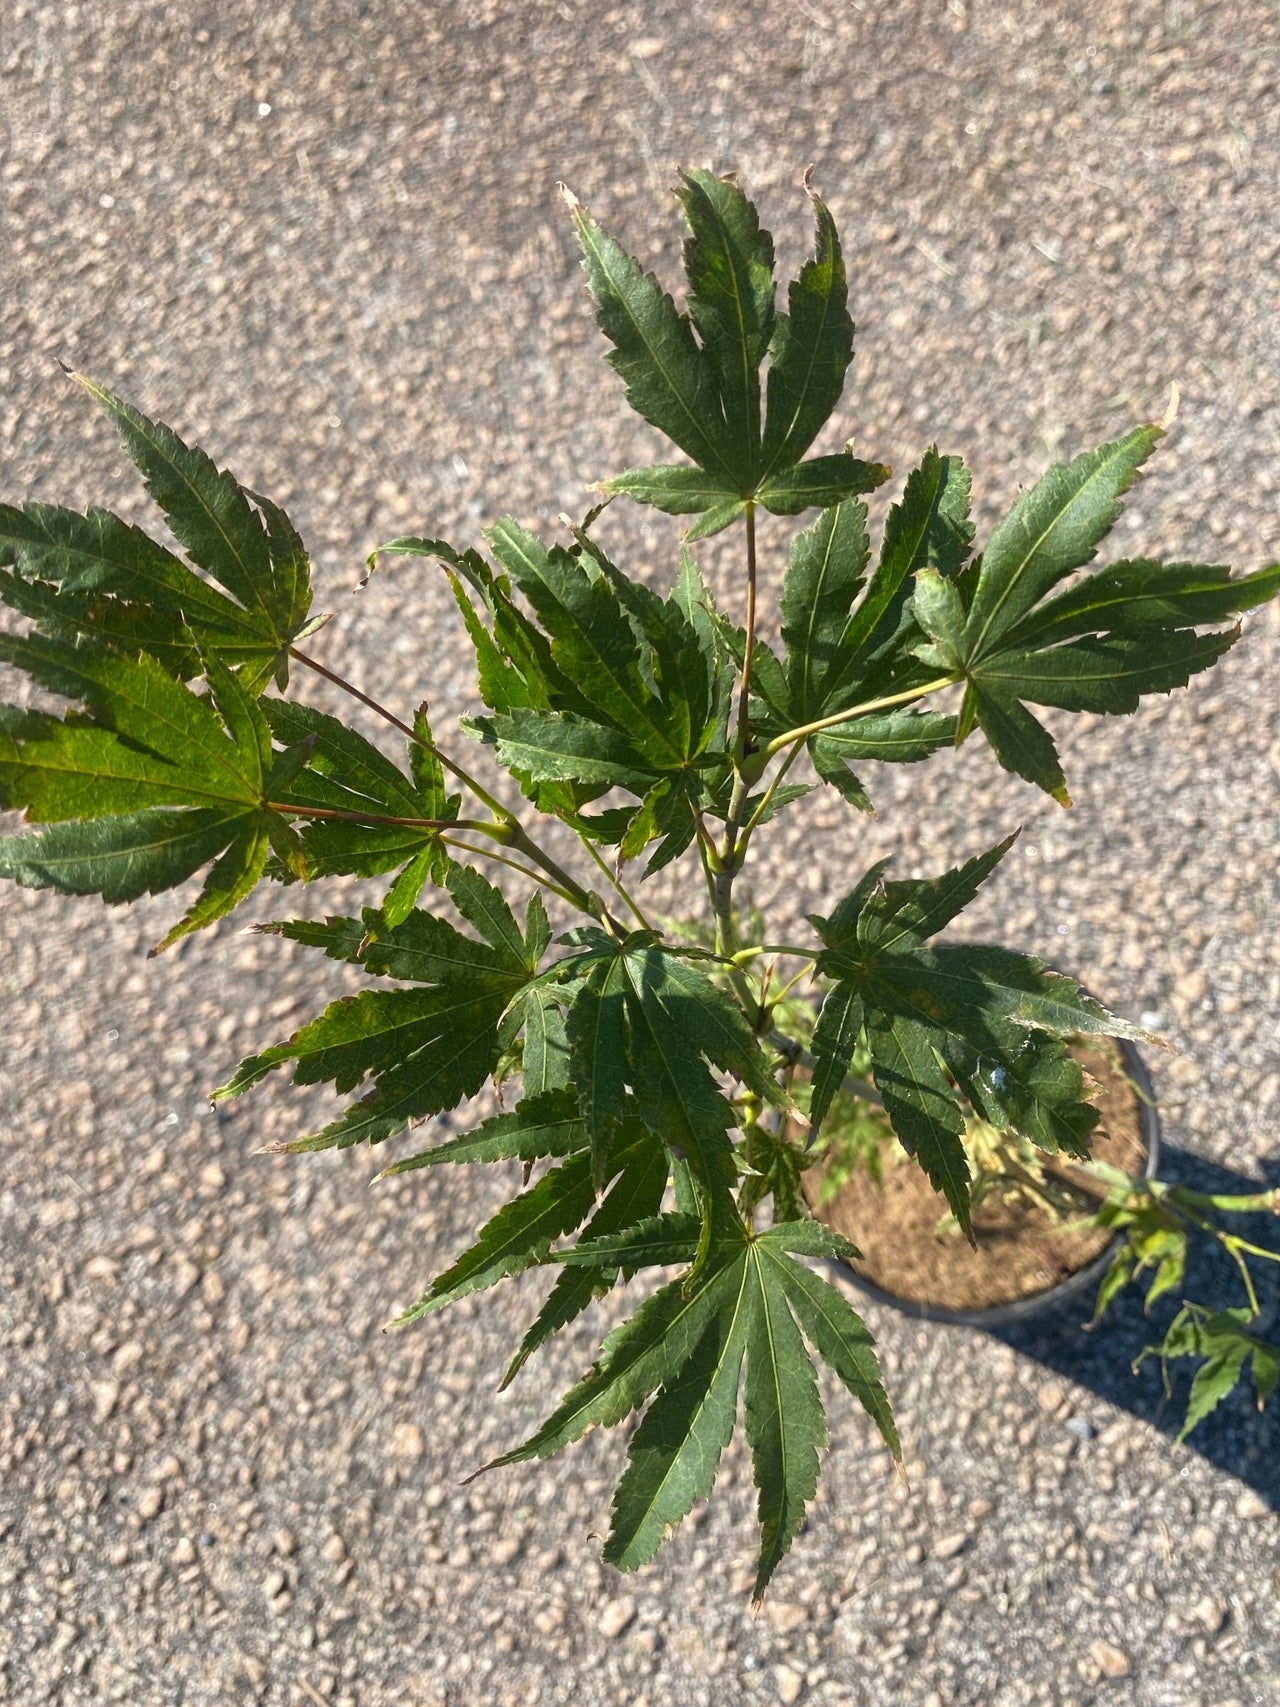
(947, 1546)
(150, 1503)
(1110, 1661)
(106, 1395)
(615, 1615)
(273, 1584)
(407, 1441)
(1081, 1427)
(126, 1357)
(334, 1550)
(788, 1682)
(1210, 1613)
(1251, 1507)
(1050, 1398)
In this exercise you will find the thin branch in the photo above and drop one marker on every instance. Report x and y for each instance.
(749, 645)
(344, 817)
(614, 879)
(766, 799)
(507, 827)
(358, 693)
(837, 717)
(745, 954)
(464, 776)
(515, 865)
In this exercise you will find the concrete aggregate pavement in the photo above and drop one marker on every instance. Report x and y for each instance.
(323, 241)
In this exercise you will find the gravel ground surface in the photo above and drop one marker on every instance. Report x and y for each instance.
(322, 239)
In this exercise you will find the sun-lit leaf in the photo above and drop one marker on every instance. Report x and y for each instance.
(153, 782)
(740, 1322)
(241, 540)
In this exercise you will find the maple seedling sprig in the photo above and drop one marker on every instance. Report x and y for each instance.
(645, 1075)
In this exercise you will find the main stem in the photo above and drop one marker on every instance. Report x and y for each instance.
(726, 862)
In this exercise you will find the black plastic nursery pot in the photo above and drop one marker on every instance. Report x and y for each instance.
(1061, 1289)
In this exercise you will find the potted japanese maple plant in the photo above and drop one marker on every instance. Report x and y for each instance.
(648, 1076)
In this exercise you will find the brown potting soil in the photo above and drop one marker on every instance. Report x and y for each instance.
(1020, 1251)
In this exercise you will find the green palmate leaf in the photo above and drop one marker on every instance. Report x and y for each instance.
(579, 608)
(426, 1048)
(150, 785)
(632, 1200)
(1097, 646)
(826, 573)
(1019, 741)
(715, 520)
(642, 1016)
(557, 747)
(928, 529)
(66, 562)
(678, 490)
(204, 506)
(670, 381)
(656, 1242)
(904, 736)
(834, 1329)
(728, 260)
(819, 482)
(681, 652)
(338, 938)
(811, 351)
(519, 1235)
(597, 1038)
(547, 1124)
(675, 1452)
(1139, 596)
(689, 1349)
(244, 542)
(346, 773)
(693, 598)
(1221, 1340)
(1106, 675)
(515, 666)
(782, 1414)
(843, 649)
(836, 1036)
(637, 1358)
(697, 377)
(946, 1022)
(545, 1054)
(678, 1096)
(1052, 529)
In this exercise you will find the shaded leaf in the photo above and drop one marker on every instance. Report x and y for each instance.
(942, 1022)
(811, 350)
(669, 379)
(728, 260)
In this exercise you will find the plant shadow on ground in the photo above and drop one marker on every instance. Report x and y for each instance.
(1235, 1437)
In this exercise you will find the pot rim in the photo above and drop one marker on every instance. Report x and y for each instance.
(1035, 1303)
